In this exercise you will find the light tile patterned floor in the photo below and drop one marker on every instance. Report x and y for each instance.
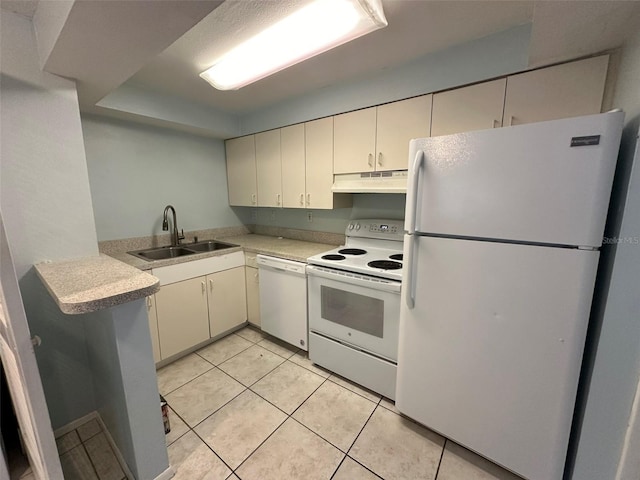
(250, 407)
(86, 454)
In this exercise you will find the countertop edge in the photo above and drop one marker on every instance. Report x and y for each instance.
(66, 282)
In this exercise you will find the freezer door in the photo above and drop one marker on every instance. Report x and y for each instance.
(490, 354)
(522, 183)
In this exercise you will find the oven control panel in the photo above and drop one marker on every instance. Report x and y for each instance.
(376, 228)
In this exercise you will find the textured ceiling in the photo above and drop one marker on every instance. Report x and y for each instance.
(416, 28)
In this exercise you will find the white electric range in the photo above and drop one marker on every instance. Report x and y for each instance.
(354, 304)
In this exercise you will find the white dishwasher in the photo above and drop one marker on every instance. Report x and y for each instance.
(283, 299)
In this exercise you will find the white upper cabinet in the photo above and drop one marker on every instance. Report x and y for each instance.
(354, 141)
(319, 176)
(377, 138)
(293, 166)
(397, 124)
(561, 91)
(476, 107)
(269, 168)
(241, 171)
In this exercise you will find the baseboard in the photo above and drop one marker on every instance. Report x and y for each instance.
(166, 475)
(115, 449)
(70, 427)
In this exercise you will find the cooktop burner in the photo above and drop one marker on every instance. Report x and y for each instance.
(385, 264)
(333, 256)
(396, 256)
(352, 251)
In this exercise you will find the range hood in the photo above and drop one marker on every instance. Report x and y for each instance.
(371, 182)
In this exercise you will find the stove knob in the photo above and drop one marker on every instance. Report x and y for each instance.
(357, 226)
(351, 226)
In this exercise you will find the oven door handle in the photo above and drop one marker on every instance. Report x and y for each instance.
(353, 279)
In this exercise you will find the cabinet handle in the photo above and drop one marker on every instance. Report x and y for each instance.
(253, 198)
(496, 124)
(302, 199)
(370, 160)
(204, 288)
(380, 158)
(278, 199)
(511, 119)
(149, 303)
(210, 285)
(257, 278)
(308, 199)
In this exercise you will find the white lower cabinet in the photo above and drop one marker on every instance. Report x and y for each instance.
(253, 295)
(183, 315)
(197, 301)
(227, 300)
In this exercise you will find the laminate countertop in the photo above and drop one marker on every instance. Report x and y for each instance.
(94, 283)
(287, 248)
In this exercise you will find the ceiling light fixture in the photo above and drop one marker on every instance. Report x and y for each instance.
(314, 29)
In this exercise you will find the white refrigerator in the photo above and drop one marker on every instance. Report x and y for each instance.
(503, 231)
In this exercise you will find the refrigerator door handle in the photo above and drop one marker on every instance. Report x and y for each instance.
(413, 199)
(409, 284)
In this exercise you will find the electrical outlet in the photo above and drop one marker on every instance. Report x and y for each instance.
(273, 215)
(254, 215)
(309, 217)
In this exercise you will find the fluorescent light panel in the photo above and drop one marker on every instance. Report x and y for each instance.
(315, 28)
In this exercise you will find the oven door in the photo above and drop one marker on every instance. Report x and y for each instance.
(354, 309)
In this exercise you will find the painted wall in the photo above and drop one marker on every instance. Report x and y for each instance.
(614, 360)
(136, 170)
(46, 204)
(126, 387)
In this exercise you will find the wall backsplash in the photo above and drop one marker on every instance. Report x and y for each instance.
(365, 205)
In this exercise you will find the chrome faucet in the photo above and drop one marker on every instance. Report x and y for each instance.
(175, 236)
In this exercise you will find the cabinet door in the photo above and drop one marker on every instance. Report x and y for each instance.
(153, 327)
(293, 166)
(561, 91)
(319, 154)
(354, 141)
(397, 124)
(253, 295)
(476, 107)
(269, 169)
(227, 300)
(241, 171)
(183, 317)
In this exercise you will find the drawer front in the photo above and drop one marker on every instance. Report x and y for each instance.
(198, 268)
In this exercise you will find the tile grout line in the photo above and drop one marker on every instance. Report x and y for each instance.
(260, 445)
(197, 376)
(372, 401)
(363, 427)
(444, 445)
(208, 361)
(288, 416)
(84, 447)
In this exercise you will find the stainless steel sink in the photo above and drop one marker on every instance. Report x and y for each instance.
(162, 253)
(208, 246)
